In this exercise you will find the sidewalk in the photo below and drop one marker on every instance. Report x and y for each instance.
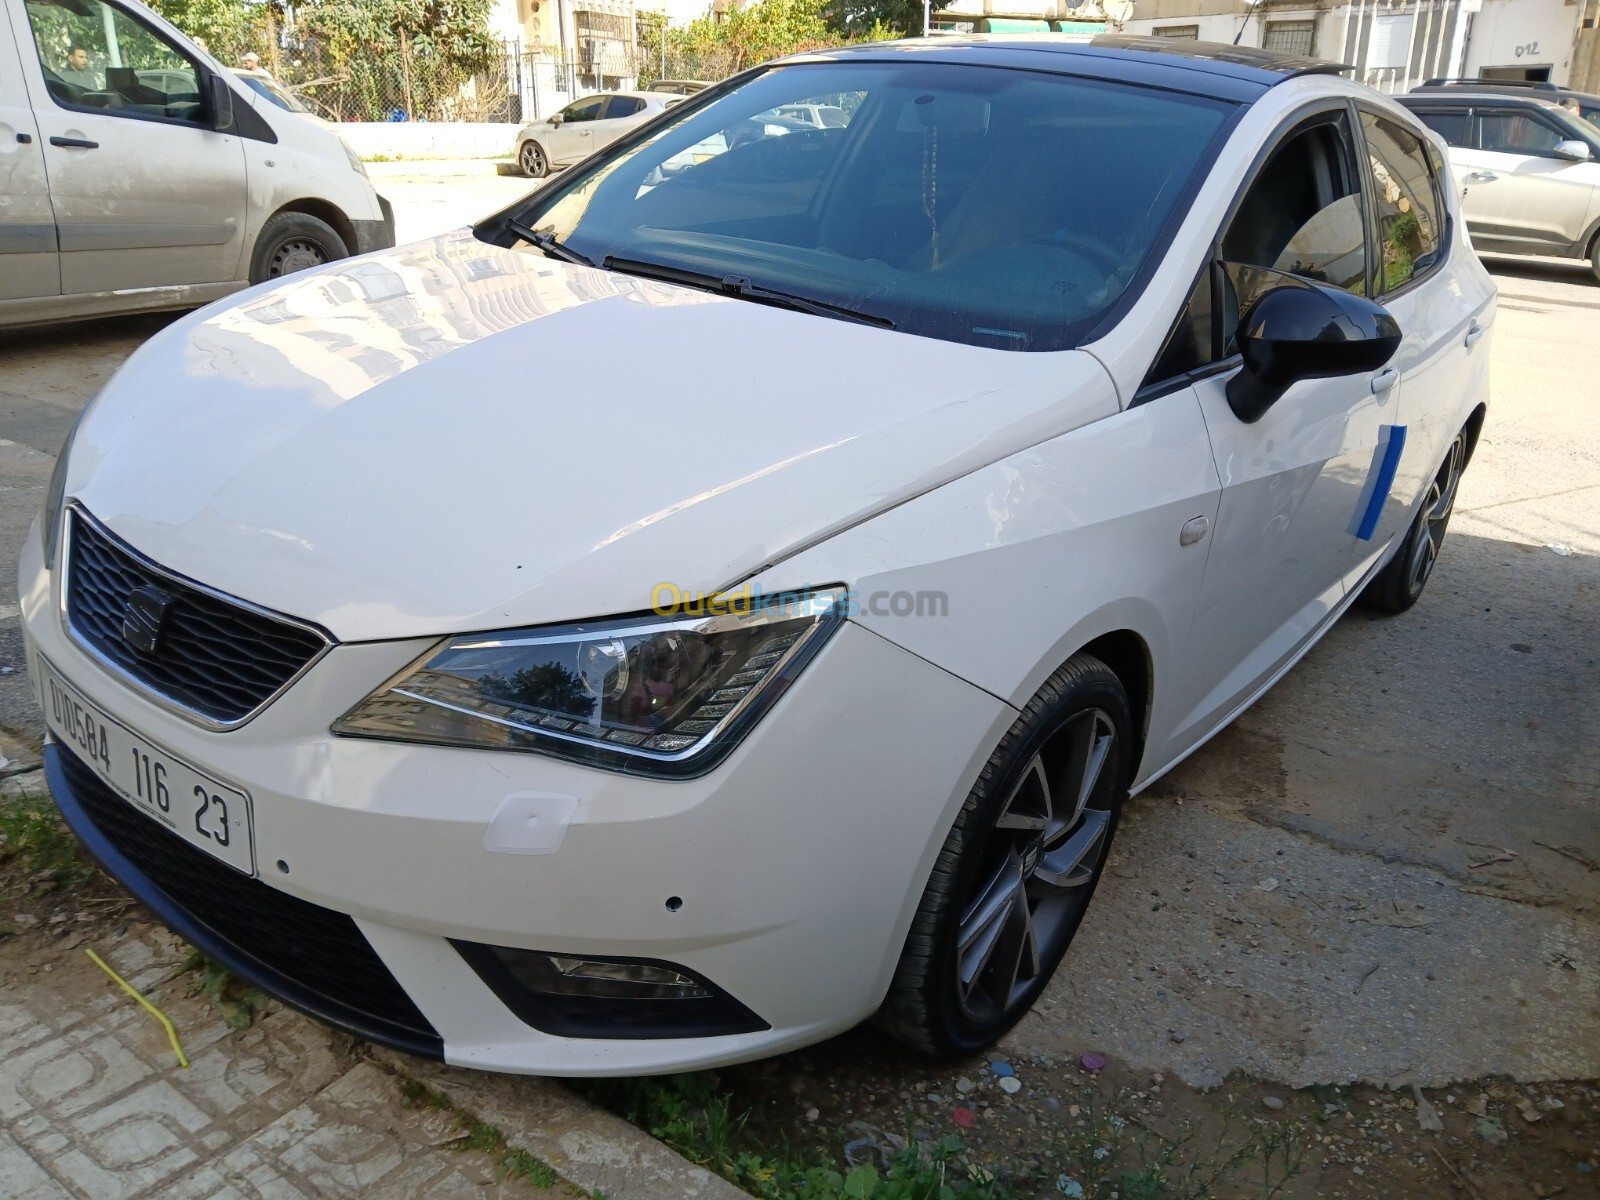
(94, 1106)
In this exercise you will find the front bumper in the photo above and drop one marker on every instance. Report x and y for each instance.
(375, 235)
(797, 863)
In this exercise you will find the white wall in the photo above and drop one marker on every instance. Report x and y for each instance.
(1524, 33)
(429, 139)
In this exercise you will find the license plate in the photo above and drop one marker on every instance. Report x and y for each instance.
(204, 811)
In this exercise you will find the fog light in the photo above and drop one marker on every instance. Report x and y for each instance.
(606, 997)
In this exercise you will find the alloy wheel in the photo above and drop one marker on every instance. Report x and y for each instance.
(1436, 509)
(532, 159)
(1045, 849)
(296, 254)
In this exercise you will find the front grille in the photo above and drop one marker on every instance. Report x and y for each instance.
(214, 657)
(312, 957)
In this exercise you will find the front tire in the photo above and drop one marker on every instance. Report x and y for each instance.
(294, 241)
(1399, 585)
(1017, 871)
(532, 160)
(1594, 259)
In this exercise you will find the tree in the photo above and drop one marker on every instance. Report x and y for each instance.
(229, 29)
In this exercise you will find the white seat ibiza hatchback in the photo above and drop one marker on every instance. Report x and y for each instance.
(731, 593)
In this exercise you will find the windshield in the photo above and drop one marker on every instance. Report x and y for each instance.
(277, 95)
(990, 206)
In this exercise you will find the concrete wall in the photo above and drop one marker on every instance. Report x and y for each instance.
(1519, 34)
(424, 139)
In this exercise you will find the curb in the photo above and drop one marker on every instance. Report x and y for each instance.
(437, 166)
(586, 1145)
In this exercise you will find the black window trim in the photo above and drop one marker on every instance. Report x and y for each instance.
(1323, 110)
(1445, 227)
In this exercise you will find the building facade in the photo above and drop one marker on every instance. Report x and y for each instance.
(1396, 44)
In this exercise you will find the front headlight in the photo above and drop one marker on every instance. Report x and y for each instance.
(356, 164)
(653, 695)
(54, 497)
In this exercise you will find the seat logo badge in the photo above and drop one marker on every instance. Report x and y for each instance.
(147, 612)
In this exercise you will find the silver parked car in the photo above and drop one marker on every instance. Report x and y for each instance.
(583, 127)
(1529, 169)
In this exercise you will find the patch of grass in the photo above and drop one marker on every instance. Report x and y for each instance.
(698, 1120)
(34, 838)
(1108, 1155)
(239, 1002)
(483, 1137)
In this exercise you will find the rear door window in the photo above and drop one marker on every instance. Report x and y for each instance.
(1405, 201)
(1454, 127)
(622, 106)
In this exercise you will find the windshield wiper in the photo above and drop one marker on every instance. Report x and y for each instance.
(743, 288)
(548, 243)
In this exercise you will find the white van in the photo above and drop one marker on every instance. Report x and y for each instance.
(137, 174)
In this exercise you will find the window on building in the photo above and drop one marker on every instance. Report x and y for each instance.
(1406, 202)
(1182, 33)
(1291, 37)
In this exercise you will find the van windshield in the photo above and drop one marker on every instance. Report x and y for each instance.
(976, 204)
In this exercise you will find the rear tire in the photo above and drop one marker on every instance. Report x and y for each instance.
(1594, 259)
(1018, 868)
(1399, 585)
(294, 241)
(532, 160)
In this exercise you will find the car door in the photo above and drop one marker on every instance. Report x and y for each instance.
(1292, 481)
(1440, 321)
(1520, 194)
(571, 139)
(146, 193)
(621, 114)
(29, 264)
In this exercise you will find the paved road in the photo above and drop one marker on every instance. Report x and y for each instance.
(1310, 897)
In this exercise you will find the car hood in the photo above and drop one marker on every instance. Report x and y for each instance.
(450, 437)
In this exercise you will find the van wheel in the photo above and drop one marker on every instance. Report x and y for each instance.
(1018, 868)
(1594, 259)
(531, 159)
(293, 241)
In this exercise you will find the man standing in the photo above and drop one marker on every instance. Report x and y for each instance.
(78, 72)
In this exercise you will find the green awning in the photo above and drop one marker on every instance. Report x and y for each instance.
(1078, 26)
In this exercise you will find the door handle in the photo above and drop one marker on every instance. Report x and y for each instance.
(1384, 380)
(75, 143)
(1474, 332)
(1482, 177)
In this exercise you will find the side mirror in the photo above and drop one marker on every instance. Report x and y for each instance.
(1575, 150)
(556, 118)
(1293, 333)
(221, 103)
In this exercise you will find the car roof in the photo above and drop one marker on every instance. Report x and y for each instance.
(1215, 69)
(1538, 89)
(632, 95)
(1454, 98)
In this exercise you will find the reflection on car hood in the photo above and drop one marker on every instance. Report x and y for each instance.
(451, 436)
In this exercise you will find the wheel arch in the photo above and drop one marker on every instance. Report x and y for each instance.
(1474, 427)
(1128, 656)
(322, 210)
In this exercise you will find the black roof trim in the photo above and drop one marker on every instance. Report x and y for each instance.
(1242, 74)
(1461, 98)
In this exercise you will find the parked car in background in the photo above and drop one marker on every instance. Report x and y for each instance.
(679, 87)
(1585, 104)
(666, 625)
(817, 116)
(154, 178)
(264, 85)
(583, 127)
(1529, 169)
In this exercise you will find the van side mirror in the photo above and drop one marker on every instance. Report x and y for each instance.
(1306, 332)
(221, 103)
(1573, 149)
